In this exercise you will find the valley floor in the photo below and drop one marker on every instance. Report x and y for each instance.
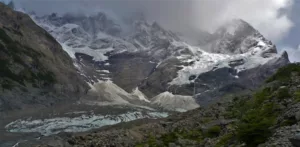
(33, 123)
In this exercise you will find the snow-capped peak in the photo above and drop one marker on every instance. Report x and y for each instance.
(258, 53)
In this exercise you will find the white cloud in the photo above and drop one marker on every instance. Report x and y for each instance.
(270, 17)
(294, 54)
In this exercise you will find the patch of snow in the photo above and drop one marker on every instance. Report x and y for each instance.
(103, 71)
(138, 43)
(204, 61)
(16, 145)
(74, 39)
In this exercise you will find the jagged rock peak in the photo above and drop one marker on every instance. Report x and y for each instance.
(236, 37)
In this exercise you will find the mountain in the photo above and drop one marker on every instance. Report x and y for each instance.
(35, 70)
(268, 116)
(92, 71)
(157, 60)
(44, 92)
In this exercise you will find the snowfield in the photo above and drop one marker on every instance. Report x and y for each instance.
(204, 61)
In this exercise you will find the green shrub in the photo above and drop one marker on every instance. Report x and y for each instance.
(284, 74)
(261, 96)
(255, 133)
(213, 131)
(256, 116)
(224, 140)
(253, 128)
(283, 93)
(195, 135)
(150, 142)
(169, 138)
(289, 122)
(297, 96)
(206, 119)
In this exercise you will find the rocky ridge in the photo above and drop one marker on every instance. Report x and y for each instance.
(35, 70)
(165, 63)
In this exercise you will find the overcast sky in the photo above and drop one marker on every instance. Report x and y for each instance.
(277, 20)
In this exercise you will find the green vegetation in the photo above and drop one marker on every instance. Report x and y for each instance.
(151, 142)
(225, 140)
(206, 120)
(283, 93)
(213, 131)
(256, 116)
(169, 138)
(173, 137)
(289, 122)
(284, 74)
(195, 135)
(254, 132)
(297, 96)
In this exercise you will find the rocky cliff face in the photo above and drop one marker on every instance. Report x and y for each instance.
(236, 57)
(35, 70)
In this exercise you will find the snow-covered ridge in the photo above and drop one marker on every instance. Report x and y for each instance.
(93, 35)
(204, 61)
(78, 36)
(252, 50)
(236, 45)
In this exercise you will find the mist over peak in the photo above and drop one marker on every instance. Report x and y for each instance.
(270, 17)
